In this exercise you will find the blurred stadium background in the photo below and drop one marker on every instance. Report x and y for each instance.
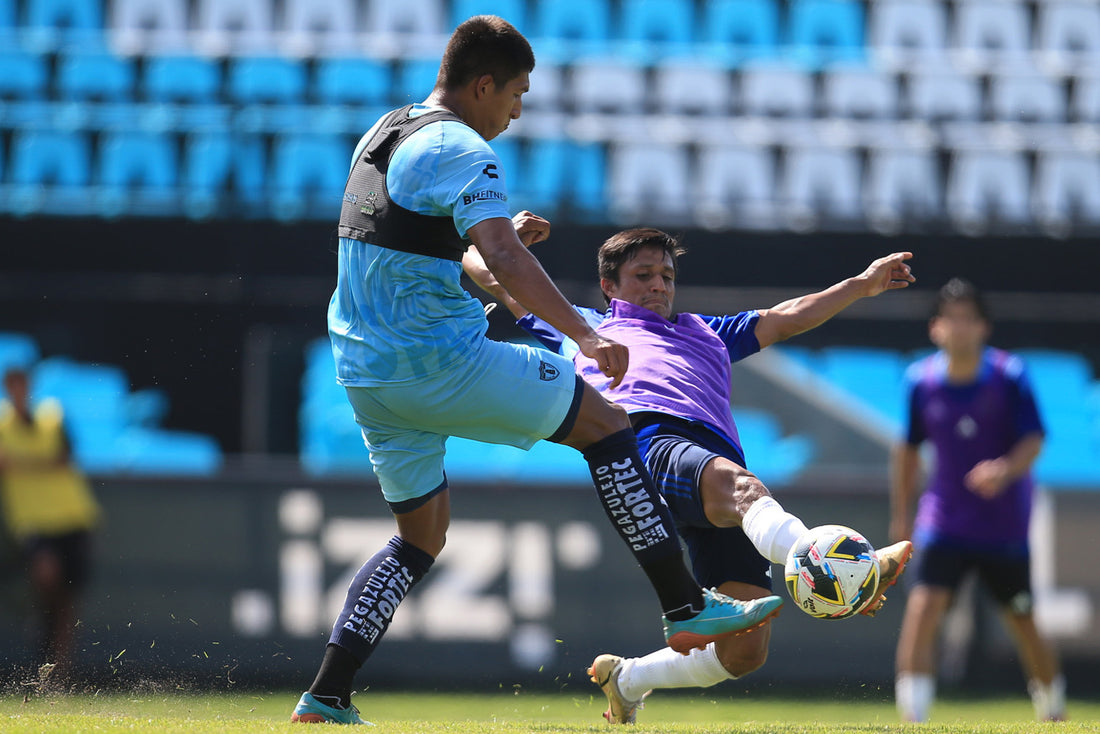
(170, 177)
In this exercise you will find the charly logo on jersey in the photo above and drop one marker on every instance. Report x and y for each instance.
(490, 170)
(548, 372)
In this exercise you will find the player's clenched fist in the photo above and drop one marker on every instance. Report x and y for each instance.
(611, 357)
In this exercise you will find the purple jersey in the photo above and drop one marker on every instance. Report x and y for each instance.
(679, 367)
(966, 424)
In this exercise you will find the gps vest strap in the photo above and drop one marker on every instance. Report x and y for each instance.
(369, 214)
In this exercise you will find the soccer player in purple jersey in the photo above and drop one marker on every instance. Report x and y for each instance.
(677, 393)
(974, 406)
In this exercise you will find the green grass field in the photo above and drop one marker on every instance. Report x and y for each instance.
(508, 713)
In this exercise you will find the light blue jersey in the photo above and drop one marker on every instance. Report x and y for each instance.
(397, 317)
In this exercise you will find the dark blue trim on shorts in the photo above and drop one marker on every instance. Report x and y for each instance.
(570, 419)
(400, 508)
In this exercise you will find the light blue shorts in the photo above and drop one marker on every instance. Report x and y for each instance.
(506, 393)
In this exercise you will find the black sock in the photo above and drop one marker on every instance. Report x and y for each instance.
(333, 683)
(639, 513)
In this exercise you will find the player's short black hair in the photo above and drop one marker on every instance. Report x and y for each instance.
(484, 44)
(960, 290)
(622, 246)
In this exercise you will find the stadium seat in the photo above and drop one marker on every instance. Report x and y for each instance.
(607, 85)
(42, 157)
(901, 31)
(547, 87)
(903, 184)
(820, 182)
(773, 457)
(566, 28)
(936, 94)
(992, 32)
(1061, 379)
(1027, 97)
(514, 11)
(776, 88)
(986, 186)
(154, 451)
(650, 179)
(678, 82)
(17, 350)
(736, 30)
(50, 23)
(1067, 188)
(314, 27)
(406, 28)
(655, 30)
(309, 173)
(570, 175)
(234, 26)
(1085, 99)
(825, 30)
(23, 76)
(144, 160)
(181, 79)
(148, 26)
(873, 375)
(266, 80)
(1068, 35)
(857, 90)
(735, 186)
(216, 163)
(95, 76)
(414, 80)
(352, 80)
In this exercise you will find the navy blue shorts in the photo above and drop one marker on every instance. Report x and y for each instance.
(675, 452)
(1006, 574)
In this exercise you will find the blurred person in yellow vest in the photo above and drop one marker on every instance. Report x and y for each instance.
(50, 512)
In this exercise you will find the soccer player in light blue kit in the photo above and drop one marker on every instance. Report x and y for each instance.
(974, 406)
(411, 352)
(678, 397)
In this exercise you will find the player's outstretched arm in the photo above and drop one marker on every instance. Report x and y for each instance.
(530, 228)
(797, 315)
(519, 273)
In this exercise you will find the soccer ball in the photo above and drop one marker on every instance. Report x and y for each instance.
(831, 572)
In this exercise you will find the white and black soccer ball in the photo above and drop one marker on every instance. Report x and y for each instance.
(831, 572)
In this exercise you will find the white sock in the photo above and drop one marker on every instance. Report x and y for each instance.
(913, 693)
(667, 668)
(771, 529)
(1049, 701)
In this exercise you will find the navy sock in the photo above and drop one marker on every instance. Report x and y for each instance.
(373, 597)
(639, 513)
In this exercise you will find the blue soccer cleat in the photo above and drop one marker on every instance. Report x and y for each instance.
(311, 711)
(722, 615)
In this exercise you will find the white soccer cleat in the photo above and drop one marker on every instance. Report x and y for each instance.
(604, 672)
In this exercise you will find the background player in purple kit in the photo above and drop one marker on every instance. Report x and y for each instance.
(974, 405)
(678, 395)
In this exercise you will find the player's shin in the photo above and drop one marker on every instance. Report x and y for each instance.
(373, 597)
(641, 517)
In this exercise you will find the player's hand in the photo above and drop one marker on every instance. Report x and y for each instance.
(611, 357)
(988, 478)
(531, 228)
(888, 273)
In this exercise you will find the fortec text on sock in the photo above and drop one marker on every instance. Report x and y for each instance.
(382, 593)
(632, 511)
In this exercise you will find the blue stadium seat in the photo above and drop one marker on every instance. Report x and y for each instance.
(309, 175)
(267, 79)
(654, 30)
(1060, 379)
(773, 457)
(414, 80)
(147, 407)
(875, 376)
(49, 23)
(570, 175)
(735, 30)
(95, 76)
(826, 30)
(514, 11)
(181, 79)
(17, 350)
(566, 28)
(508, 150)
(159, 452)
(137, 159)
(23, 75)
(50, 157)
(352, 80)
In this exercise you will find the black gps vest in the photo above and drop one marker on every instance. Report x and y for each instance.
(369, 214)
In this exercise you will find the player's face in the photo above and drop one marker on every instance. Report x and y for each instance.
(500, 104)
(648, 280)
(959, 329)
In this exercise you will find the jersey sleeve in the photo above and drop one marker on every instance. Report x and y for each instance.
(447, 169)
(553, 339)
(1027, 408)
(737, 332)
(914, 431)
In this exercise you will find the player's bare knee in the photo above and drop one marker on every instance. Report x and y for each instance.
(742, 655)
(597, 420)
